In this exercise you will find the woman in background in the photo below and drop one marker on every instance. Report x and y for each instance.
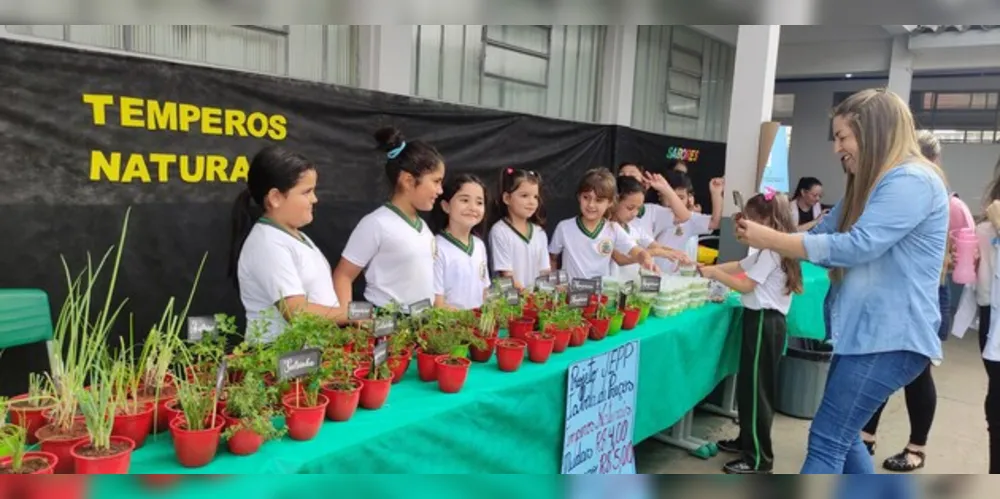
(806, 208)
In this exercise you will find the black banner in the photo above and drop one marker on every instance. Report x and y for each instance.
(84, 135)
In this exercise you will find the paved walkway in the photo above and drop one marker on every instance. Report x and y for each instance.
(957, 443)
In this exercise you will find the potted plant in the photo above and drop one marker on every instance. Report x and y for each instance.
(453, 368)
(341, 388)
(248, 416)
(518, 325)
(487, 329)
(540, 345)
(561, 322)
(375, 385)
(633, 310)
(157, 385)
(19, 461)
(305, 409)
(510, 353)
(207, 353)
(28, 410)
(102, 453)
(197, 429)
(615, 325)
(134, 418)
(600, 323)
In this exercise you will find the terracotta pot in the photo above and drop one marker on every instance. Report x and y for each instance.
(304, 422)
(113, 464)
(196, 448)
(374, 392)
(135, 426)
(343, 403)
(50, 460)
(451, 372)
(510, 354)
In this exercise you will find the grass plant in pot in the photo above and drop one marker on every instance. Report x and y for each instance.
(28, 410)
(102, 453)
(600, 323)
(19, 461)
(375, 385)
(134, 418)
(305, 408)
(248, 416)
(487, 329)
(340, 387)
(196, 431)
(561, 322)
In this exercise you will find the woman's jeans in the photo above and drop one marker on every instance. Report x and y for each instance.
(855, 388)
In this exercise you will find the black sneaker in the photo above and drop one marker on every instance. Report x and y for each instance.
(741, 467)
(731, 446)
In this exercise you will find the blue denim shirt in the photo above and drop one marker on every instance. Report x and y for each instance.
(888, 300)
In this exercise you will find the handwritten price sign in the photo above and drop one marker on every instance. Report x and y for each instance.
(600, 413)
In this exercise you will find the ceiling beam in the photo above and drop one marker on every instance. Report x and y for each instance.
(951, 40)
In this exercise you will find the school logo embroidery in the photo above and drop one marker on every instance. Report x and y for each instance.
(605, 247)
(679, 231)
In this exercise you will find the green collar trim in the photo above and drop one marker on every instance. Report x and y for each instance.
(417, 223)
(525, 238)
(302, 239)
(466, 248)
(591, 234)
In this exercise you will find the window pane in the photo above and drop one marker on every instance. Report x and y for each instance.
(973, 136)
(688, 38)
(979, 101)
(535, 38)
(953, 101)
(678, 104)
(950, 135)
(685, 83)
(784, 106)
(685, 61)
(928, 100)
(503, 62)
(991, 100)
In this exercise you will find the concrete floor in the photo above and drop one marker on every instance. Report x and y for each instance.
(957, 443)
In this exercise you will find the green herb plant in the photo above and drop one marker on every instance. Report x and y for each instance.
(196, 402)
(249, 401)
(13, 438)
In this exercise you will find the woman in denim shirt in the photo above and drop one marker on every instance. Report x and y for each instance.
(886, 243)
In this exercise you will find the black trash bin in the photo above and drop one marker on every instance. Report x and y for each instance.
(802, 377)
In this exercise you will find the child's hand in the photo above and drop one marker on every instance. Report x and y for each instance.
(707, 271)
(648, 264)
(657, 182)
(717, 186)
(682, 258)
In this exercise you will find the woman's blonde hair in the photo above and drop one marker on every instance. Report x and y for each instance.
(884, 130)
(930, 147)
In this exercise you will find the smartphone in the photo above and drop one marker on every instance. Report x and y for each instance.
(738, 199)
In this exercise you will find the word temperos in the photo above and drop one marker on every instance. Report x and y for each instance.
(147, 114)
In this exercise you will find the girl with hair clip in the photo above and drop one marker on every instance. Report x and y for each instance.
(625, 211)
(278, 270)
(392, 244)
(766, 295)
(518, 243)
(461, 275)
(588, 242)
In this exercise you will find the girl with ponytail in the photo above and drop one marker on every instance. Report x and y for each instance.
(518, 244)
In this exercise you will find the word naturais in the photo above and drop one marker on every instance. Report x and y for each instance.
(682, 154)
(162, 167)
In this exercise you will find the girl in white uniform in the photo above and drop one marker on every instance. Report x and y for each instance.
(586, 242)
(461, 274)
(392, 244)
(663, 207)
(518, 243)
(279, 270)
(630, 198)
(684, 236)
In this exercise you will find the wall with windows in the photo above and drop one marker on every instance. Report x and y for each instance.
(683, 83)
(327, 53)
(546, 70)
(961, 111)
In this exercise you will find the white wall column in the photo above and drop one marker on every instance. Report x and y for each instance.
(753, 98)
(618, 78)
(901, 67)
(385, 58)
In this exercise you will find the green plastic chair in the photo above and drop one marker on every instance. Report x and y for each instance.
(25, 318)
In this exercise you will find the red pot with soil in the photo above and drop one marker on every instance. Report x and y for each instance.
(510, 354)
(113, 461)
(540, 347)
(374, 392)
(302, 420)
(136, 426)
(452, 372)
(33, 463)
(631, 318)
(426, 367)
(484, 354)
(28, 416)
(196, 448)
(578, 335)
(344, 399)
(599, 328)
(162, 418)
(60, 443)
(519, 328)
(562, 337)
(171, 410)
(398, 364)
(245, 441)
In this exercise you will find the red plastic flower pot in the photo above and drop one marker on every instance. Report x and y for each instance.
(398, 364)
(519, 328)
(540, 347)
(28, 417)
(452, 372)
(44, 463)
(134, 426)
(169, 411)
(245, 441)
(510, 354)
(115, 463)
(599, 328)
(426, 367)
(196, 448)
(304, 422)
(530, 312)
(61, 443)
(343, 403)
(484, 354)
(562, 337)
(590, 310)
(578, 335)
(631, 318)
(374, 392)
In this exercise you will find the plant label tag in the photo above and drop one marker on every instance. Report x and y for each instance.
(502, 284)
(384, 326)
(544, 284)
(418, 308)
(628, 288)
(650, 283)
(562, 277)
(588, 285)
(381, 354)
(579, 299)
(198, 326)
(298, 364)
(622, 301)
(360, 311)
(512, 296)
(491, 294)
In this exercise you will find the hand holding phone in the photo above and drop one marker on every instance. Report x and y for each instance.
(738, 200)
